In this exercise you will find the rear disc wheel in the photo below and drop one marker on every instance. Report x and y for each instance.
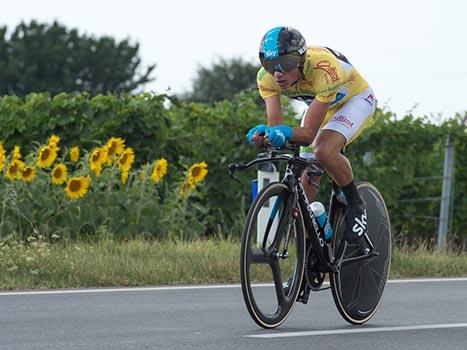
(357, 287)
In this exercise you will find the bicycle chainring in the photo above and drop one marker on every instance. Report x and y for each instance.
(314, 277)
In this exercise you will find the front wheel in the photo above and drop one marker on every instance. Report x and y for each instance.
(272, 257)
(358, 285)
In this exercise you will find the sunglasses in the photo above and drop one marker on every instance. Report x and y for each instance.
(281, 64)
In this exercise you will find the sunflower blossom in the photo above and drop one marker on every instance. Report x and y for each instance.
(115, 146)
(16, 153)
(124, 177)
(98, 159)
(54, 140)
(28, 173)
(2, 157)
(159, 170)
(186, 188)
(197, 172)
(77, 186)
(59, 174)
(126, 159)
(14, 170)
(74, 154)
(46, 157)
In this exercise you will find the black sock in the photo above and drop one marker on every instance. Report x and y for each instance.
(351, 194)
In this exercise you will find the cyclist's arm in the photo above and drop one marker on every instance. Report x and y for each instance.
(274, 110)
(313, 118)
(274, 115)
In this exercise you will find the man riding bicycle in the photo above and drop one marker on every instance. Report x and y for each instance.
(341, 104)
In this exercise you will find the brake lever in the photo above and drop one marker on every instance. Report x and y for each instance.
(233, 167)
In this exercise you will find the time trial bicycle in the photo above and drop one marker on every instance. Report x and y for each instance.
(283, 244)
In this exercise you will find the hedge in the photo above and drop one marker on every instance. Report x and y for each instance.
(401, 156)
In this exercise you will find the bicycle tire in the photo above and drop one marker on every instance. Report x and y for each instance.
(358, 286)
(266, 312)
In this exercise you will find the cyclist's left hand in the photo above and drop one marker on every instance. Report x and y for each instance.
(256, 135)
(279, 134)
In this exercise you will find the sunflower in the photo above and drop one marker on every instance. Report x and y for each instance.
(2, 157)
(28, 173)
(159, 170)
(126, 159)
(115, 146)
(77, 186)
(46, 157)
(16, 153)
(98, 159)
(74, 154)
(15, 169)
(186, 188)
(54, 140)
(124, 176)
(197, 172)
(59, 174)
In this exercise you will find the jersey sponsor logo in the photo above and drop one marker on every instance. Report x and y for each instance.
(343, 120)
(370, 99)
(265, 88)
(330, 89)
(329, 69)
(339, 97)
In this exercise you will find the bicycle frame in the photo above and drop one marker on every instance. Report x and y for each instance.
(327, 260)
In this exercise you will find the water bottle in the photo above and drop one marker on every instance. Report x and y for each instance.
(320, 214)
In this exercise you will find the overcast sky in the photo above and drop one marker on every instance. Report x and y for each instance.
(412, 52)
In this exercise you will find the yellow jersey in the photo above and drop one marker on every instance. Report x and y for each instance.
(327, 76)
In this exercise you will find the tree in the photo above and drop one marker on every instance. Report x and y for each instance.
(223, 80)
(40, 57)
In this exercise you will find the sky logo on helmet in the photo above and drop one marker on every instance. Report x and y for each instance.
(270, 43)
(270, 53)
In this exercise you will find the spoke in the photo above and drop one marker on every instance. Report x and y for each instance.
(375, 238)
(376, 278)
(356, 291)
(374, 272)
(351, 250)
(276, 272)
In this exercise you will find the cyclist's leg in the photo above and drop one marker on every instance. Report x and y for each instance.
(310, 184)
(344, 126)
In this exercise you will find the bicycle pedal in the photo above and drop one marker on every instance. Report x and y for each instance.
(304, 295)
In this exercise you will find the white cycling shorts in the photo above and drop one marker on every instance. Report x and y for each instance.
(353, 116)
(349, 120)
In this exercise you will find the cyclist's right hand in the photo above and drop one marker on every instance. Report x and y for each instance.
(255, 135)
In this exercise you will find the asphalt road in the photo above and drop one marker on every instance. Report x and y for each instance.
(421, 314)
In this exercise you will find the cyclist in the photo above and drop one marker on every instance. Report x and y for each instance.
(340, 105)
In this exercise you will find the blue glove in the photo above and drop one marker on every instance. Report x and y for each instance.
(279, 134)
(259, 129)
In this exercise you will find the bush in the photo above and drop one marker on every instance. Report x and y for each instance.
(400, 156)
(84, 121)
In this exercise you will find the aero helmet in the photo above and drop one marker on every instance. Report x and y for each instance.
(282, 49)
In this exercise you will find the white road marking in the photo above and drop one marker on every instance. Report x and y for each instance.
(118, 290)
(358, 330)
(193, 287)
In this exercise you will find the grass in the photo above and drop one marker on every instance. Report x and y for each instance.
(138, 262)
